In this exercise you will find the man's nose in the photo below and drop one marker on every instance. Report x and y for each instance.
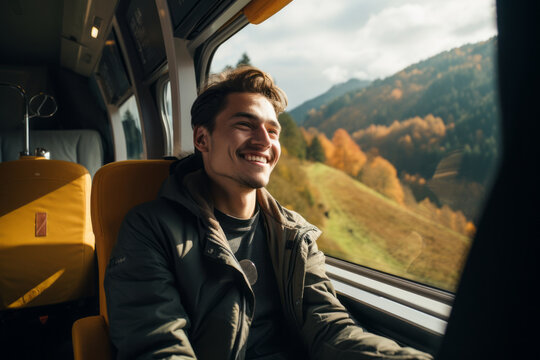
(261, 136)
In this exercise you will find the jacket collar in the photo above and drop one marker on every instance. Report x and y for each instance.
(189, 185)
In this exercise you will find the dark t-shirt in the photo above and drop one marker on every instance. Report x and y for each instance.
(247, 238)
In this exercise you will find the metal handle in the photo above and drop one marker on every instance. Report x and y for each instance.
(41, 102)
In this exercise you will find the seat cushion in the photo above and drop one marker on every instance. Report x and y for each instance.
(46, 239)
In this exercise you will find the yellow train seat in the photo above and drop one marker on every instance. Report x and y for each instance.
(46, 238)
(116, 188)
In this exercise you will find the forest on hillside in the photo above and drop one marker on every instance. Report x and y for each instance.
(394, 115)
(341, 152)
(436, 122)
(367, 213)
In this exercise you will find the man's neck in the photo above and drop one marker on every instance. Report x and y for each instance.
(239, 203)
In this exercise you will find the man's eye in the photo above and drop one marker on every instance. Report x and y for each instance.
(243, 124)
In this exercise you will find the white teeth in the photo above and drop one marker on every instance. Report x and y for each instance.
(256, 158)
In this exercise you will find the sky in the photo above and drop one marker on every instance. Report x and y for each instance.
(311, 45)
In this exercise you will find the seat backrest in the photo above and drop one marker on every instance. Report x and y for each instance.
(117, 187)
(46, 239)
(79, 146)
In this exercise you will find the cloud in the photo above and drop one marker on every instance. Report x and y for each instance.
(314, 44)
(399, 36)
(336, 74)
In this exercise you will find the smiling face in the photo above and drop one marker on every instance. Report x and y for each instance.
(243, 148)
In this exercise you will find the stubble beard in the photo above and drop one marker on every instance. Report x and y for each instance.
(252, 183)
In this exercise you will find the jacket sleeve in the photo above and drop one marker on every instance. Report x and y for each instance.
(329, 330)
(146, 317)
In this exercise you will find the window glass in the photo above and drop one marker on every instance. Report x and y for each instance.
(131, 125)
(112, 72)
(391, 137)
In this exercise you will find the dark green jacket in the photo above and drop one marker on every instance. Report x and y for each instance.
(175, 290)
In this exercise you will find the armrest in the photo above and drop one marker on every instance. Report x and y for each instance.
(90, 336)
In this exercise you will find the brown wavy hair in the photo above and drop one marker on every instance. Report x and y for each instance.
(213, 97)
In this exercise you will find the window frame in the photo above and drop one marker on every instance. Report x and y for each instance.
(168, 126)
(433, 304)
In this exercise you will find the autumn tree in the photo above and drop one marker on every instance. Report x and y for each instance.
(328, 147)
(347, 155)
(405, 142)
(291, 138)
(452, 219)
(380, 175)
(315, 151)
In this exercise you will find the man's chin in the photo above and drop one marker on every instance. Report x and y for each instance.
(255, 183)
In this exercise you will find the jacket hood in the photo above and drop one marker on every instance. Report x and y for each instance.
(189, 185)
(175, 187)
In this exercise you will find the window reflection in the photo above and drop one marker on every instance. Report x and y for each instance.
(131, 125)
(166, 107)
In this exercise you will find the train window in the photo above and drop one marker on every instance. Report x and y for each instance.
(131, 126)
(391, 138)
(112, 72)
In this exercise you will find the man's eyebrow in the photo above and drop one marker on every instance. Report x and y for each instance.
(254, 117)
(246, 115)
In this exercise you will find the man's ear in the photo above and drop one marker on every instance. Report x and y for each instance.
(201, 138)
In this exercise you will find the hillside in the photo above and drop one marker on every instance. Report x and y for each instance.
(455, 88)
(300, 113)
(366, 228)
(395, 174)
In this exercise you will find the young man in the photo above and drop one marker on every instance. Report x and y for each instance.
(215, 268)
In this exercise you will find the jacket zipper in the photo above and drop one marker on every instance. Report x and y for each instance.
(242, 315)
(290, 283)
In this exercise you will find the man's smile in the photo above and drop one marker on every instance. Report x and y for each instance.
(258, 158)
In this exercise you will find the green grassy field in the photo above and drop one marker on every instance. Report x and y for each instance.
(364, 227)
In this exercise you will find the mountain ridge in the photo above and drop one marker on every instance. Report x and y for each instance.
(452, 94)
(300, 112)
